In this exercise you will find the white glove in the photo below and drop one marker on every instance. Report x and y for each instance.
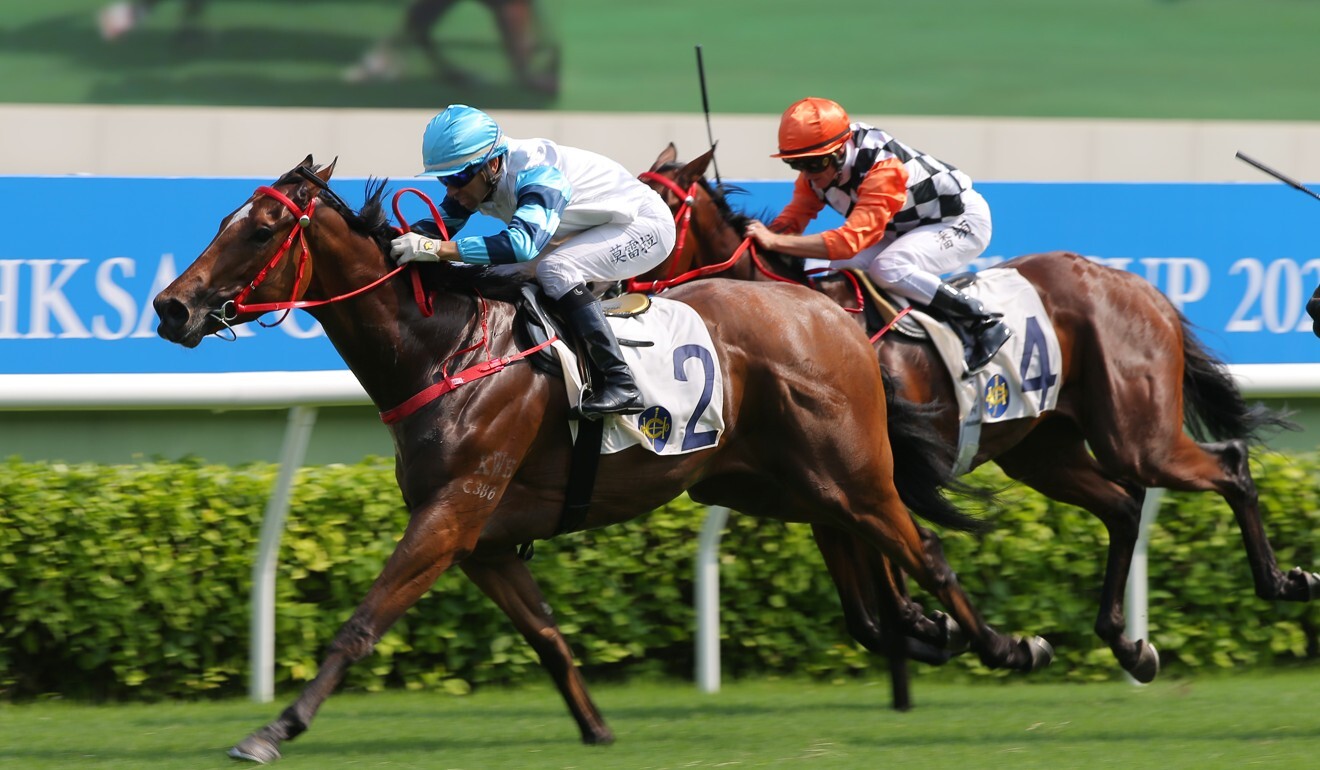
(415, 247)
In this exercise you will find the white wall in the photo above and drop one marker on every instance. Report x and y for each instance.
(263, 143)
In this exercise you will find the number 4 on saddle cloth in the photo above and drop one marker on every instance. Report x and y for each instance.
(670, 352)
(1022, 380)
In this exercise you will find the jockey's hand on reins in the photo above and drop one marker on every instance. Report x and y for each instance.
(416, 247)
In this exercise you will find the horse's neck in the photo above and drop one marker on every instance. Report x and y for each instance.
(718, 237)
(392, 347)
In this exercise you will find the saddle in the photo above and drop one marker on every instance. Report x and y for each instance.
(879, 307)
(536, 322)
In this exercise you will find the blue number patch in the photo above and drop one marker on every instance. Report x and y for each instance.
(693, 438)
(1034, 344)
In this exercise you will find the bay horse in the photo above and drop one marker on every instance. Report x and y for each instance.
(481, 467)
(1134, 375)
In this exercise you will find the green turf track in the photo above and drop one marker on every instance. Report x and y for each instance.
(1264, 721)
(1198, 59)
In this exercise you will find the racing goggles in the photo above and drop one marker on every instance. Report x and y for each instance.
(462, 178)
(812, 164)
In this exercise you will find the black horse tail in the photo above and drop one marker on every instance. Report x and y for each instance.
(1213, 407)
(923, 465)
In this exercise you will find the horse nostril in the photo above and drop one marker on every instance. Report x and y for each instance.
(173, 316)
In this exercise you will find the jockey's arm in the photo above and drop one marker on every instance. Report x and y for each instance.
(805, 246)
(542, 194)
(880, 195)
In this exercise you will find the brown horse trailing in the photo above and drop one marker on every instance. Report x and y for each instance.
(1131, 376)
(482, 466)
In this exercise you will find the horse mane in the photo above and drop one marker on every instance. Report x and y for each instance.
(788, 267)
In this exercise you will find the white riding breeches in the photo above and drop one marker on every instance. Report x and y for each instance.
(608, 252)
(911, 264)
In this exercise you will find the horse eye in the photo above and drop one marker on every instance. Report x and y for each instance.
(261, 234)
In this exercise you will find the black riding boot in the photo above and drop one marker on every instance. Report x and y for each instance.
(987, 331)
(616, 393)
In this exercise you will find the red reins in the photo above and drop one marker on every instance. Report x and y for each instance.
(683, 221)
(682, 217)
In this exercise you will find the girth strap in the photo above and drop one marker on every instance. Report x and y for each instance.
(581, 475)
(582, 466)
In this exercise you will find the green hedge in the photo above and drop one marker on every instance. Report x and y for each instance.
(133, 581)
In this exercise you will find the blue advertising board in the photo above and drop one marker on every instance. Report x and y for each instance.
(82, 257)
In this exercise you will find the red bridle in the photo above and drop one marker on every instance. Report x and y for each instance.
(231, 309)
(682, 217)
(683, 223)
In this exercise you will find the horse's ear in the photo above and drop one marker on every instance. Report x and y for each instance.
(325, 173)
(668, 155)
(307, 161)
(695, 168)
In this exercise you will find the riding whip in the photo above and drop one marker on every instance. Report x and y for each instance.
(705, 107)
(1293, 183)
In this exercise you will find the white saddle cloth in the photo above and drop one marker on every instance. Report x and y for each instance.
(1022, 380)
(673, 361)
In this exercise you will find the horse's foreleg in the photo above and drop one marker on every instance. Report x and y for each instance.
(892, 530)
(1072, 476)
(430, 544)
(876, 629)
(509, 583)
(872, 591)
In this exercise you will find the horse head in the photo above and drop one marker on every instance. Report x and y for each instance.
(261, 257)
(682, 174)
(710, 230)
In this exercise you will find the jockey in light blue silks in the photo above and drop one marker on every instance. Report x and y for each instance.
(580, 216)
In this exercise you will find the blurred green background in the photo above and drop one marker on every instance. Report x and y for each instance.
(1194, 59)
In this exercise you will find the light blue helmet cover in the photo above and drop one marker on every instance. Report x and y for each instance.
(458, 137)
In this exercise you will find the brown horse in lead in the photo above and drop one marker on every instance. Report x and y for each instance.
(482, 467)
(1133, 374)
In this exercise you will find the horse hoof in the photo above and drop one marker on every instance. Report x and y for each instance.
(1312, 583)
(1040, 651)
(1148, 662)
(955, 641)
(603, 738)
(255, 749)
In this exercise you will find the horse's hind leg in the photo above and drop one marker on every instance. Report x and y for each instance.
(507, 581)
(1054, 461)
(418, 559)
(1222, 467)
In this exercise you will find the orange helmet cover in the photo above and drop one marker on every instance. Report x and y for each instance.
(812, 126)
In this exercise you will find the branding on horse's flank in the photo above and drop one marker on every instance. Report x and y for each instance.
(479, 489)
(996, 396)
(656, 425)
(497, 465)
(672, 358)
(494, 469)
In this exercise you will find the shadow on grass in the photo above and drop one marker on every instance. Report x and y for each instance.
(246, 65)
